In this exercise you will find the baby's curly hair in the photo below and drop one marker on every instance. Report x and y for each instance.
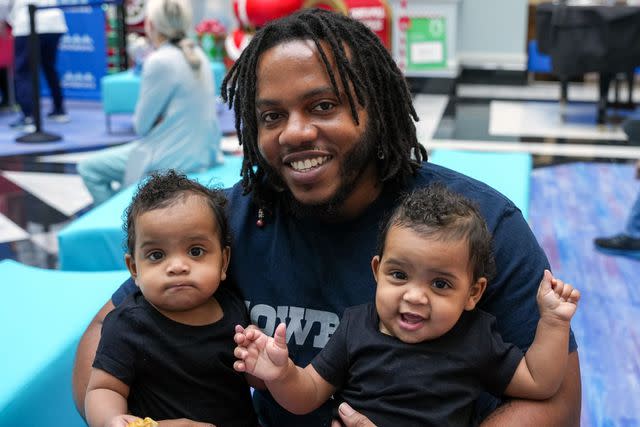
(438, 213)
(165, 188)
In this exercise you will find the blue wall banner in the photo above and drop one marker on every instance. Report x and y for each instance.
(82, 52)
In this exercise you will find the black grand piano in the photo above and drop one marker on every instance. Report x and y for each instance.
(582, 38)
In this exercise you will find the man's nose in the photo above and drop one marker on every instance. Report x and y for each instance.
(298, 130)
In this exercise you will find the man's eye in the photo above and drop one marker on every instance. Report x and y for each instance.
(269, 117)
(398, 275)
(324, 106)
(196, 252)
(441, 284)
(155, 256)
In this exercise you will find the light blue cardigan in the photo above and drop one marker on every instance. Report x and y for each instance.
(175, 116)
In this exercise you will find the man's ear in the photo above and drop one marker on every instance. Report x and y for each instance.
(375, 265)
(475, 293)
(131, 265)
(226, 256)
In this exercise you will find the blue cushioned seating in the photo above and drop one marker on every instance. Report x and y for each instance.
(509, 173)
(42, 315)
(120, 91)
(93, 242)
(537, 62)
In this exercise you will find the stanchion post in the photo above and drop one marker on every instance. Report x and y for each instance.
(122, 36)
(34, 59)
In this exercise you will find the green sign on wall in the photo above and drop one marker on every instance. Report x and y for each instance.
(427, 43)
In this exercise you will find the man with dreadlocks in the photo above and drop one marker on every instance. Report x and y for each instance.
(326, 122)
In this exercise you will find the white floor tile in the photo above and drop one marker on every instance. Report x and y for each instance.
(66, 193)
(545, 119)
(10, 232)
(230, 144)
(540, 148)
(71, 158)
(46, 241)
(542, 91)
(430, 109)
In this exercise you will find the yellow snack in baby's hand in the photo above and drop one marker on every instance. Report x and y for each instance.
(147, 422)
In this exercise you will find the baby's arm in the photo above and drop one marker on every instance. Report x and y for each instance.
(298, 390)
(105, 404)
(542, 368)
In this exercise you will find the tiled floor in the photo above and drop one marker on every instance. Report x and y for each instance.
(582, 187)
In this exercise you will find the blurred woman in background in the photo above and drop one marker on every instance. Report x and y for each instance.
(175, 114)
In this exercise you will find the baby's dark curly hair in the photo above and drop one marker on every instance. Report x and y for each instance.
(166, 188)
(438, 213)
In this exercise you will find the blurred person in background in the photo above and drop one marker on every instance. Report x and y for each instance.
(175, 114)
(50, 26)
(628, 241)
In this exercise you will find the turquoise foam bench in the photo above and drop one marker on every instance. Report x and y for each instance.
(94, 242)
(120, 90)
(509, 173)
(42, 316)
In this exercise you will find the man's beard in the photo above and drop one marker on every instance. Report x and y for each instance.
(352, 167)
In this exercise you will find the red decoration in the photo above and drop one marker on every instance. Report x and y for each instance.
(211, 26)
(234, 44)
(404, 23)
(256, 13)
(375, 14)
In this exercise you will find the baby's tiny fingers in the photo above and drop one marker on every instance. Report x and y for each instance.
(240, 352)
(252, 334)
(566, 291)
(574, 297)
(239, 338)
(558, 287)
(239, 366)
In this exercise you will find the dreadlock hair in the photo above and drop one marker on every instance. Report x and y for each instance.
(438, 213)
(163, 189)
(376, 84)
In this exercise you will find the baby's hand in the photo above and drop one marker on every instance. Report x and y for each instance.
(123, 420)
(556, 298)
(260, 355)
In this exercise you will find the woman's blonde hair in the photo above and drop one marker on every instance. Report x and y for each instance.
(172, 19)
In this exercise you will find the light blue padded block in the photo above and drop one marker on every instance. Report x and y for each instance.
(42, 316)
(509, 173)
(94, 242)
(120, 91)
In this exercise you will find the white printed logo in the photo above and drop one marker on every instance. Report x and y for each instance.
(77, 43)
(299, 322)
(79, 80)
(72, 2)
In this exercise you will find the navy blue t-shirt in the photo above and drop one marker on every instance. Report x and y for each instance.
(305, 273)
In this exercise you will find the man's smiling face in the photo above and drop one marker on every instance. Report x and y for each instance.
(307, 134)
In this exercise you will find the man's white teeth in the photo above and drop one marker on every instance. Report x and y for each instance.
(303, 165)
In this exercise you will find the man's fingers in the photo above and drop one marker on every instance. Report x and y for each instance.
(351, 418)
